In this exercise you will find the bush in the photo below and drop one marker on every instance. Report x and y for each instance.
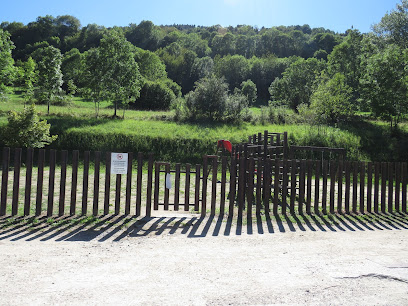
(154, 96)
(25, 129)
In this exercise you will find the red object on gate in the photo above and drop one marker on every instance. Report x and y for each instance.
(226, 144)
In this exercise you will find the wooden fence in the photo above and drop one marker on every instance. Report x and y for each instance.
(47, 182)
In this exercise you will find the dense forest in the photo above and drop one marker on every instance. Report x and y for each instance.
(212, 72)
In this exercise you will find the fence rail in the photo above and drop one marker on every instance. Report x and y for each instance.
(47, 182)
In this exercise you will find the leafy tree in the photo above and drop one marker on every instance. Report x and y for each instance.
(394, 25)
(49, 74)
(145, 35)
(385, 83)
(209, 98)
(154, 96)
(248, 89)
(234, 69)
(25, 129)
(331, 102)
(30, 77)
(6, 60)
(297, 83)
(150, 65)
(71, 66)
(223, 44)
(346, 59)
(118, 69)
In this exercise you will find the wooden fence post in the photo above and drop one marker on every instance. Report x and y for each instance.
(16, 182)
(139, 183)
(107, 183)
(4, 180)
(149, 186)
(223, 184)
(64, 161)
(233, 185)
(29, 174)
(96, 183)
(74, 184)
(85, 183)
(129, 183)
(187, 188)
(51, 182)
(204, 191)
(40, 181)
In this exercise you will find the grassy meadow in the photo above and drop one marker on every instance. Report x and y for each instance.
(157, 132)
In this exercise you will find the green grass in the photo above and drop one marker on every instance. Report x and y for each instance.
(152, 131)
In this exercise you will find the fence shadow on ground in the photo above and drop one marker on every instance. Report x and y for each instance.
(117, 228)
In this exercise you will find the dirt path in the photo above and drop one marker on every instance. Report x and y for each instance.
(183, 260)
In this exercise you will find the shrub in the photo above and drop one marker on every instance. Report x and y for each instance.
(154, 96)
(25, 129)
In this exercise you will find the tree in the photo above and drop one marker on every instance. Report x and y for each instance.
(25, 129)
(248, 89)
(331, 102)
(234, 69)
(6, 60)
(155, 96)
(394, 25)
(209, 98)
(297, 83)
(30, 77)
(118, 69)
(49, 82)
(385, 83)
(346, 59)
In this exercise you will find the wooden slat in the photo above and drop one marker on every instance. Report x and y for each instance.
(16, 182)
(149, 186)
(404, 175)
(233, 185)
(85, 183)
(267, 184)
(74, 182)
(139, 183)
(324, 193)
(340, 187)
(362, 186)
(347, 166)
(177, 188)
(128, 194)
(197, 188)
(166, 190)
(214, 185)
(5, 166)
(276, 187)
(369, 186)
(64, 160)
(107, 183)
(293, 183)
(187, 188)
(355, 179)
(51, 182)
(285, 182)
(333, 171)
(250, 191)
(241, 186)
(309, 187)
(397, 186)
(29, 176)
(317, 187)
(302, 185)
(204, 191)
(376, 186)
(96, 183)
(156, 186)
(259, 174)
(118, 192)
(40, 182)
(223, 184)
(383, 186)
(390, 186)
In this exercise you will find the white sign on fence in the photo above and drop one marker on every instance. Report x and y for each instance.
(119, 163)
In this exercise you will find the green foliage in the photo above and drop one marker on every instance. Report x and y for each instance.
(209, 99)
(393, 26)
(49, 81)
(154, 96)
(331, 102)
(248, 89)
(234, 69)
(25, 129)
(385, 83)
(297, 83)
(7, 69)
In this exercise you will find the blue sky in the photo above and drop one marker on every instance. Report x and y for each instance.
(332, 14)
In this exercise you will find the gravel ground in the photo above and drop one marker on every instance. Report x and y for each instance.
(184, 260)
